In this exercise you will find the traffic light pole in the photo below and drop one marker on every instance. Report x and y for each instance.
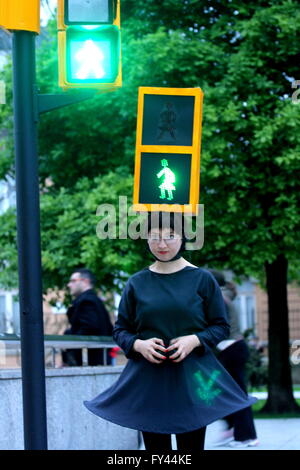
(29, 251)
(28, 105)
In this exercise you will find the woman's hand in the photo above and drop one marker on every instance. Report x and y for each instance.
(184, 346)
(148, 348)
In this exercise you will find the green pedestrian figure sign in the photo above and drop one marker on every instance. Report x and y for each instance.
(169, 179)
(90, 59)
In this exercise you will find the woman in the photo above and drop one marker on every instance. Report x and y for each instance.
(170, 314)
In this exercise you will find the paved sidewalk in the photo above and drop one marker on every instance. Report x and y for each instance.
(273, 434)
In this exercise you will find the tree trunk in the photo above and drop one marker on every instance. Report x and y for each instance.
(280, 389)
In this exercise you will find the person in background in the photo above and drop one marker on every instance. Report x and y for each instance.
(87, 316)
(234, 354)
(114, 354)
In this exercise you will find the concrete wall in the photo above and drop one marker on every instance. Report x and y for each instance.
(70, 424)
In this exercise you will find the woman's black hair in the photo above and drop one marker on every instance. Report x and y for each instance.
(172, 220)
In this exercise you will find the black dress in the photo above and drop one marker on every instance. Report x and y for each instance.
(171, 397)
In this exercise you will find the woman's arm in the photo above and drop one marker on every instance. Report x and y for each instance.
(124, 332)
(215, 314)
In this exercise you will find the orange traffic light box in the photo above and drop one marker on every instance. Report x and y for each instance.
(168, 141)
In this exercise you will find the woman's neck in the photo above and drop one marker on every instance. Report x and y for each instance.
(169, 267)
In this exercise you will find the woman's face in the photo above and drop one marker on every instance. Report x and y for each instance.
(164, 243)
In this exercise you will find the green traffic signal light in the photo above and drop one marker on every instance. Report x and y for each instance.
(169, 179)
(89, 44)
(164, 178)
(93, 54)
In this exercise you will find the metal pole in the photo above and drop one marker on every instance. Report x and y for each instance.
(29, 251)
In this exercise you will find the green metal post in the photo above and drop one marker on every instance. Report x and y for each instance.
(29, 250)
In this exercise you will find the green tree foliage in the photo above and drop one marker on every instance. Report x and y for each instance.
(6, 126)
(69, 235)
(241, 55)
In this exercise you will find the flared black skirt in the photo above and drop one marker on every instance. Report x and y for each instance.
(170, 398)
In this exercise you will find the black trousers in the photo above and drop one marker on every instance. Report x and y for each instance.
(234, 360)
(186, 442)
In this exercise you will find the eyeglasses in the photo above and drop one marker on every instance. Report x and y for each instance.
(169, 240)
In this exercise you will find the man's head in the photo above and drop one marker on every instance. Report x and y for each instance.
(80, 281)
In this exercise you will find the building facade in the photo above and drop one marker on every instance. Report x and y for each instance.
(262, 313)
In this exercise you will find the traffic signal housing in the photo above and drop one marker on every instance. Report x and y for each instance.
(168, 147)
(89, 44)
(23, 16)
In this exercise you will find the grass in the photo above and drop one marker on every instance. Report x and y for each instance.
(296, 388)
(260, 403)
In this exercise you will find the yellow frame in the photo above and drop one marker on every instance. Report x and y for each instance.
(62, 56)
(20, 15)
(194, 150)
(61, 15)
